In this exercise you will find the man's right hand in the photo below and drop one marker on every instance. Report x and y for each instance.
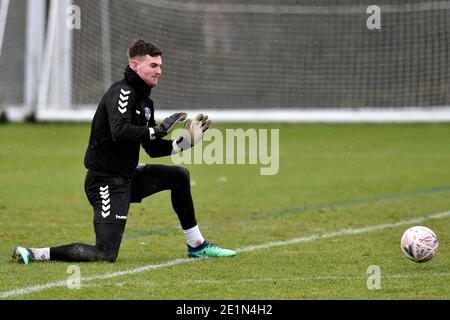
(166, 126)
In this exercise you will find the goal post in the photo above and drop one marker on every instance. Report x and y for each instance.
(54, 94)
(4, 6)
(34, 53)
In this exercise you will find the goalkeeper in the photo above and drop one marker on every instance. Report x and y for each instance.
(123, 122)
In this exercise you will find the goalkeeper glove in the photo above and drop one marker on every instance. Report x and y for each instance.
(193, 132)
(166, 126)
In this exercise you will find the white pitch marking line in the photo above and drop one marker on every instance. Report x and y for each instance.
(345, 232)
(37, 288)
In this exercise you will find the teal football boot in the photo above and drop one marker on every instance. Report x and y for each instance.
(208, 249)
(23, 255)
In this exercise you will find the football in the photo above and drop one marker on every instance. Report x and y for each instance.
(419, 244)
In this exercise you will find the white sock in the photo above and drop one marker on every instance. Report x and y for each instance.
(41, 254)
(193, 236)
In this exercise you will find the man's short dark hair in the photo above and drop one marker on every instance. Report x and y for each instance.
(141, 48)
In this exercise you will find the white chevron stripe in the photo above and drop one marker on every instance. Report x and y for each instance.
(104, 194)
(123, 104)
(105, 214)
(122, 110)
(125, 92)
(124, 98)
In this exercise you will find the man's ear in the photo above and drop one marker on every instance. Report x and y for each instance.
(134, 64)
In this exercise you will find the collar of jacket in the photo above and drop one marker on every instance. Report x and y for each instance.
(136, 82)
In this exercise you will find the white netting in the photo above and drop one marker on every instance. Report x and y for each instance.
(266, 54)
(12, 55)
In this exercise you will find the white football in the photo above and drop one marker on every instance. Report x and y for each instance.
(419, 243)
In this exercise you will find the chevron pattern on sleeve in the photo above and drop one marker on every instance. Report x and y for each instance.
(123, 100)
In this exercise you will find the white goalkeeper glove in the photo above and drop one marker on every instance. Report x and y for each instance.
(193, 132)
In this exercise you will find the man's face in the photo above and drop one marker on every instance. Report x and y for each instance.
(148, 68)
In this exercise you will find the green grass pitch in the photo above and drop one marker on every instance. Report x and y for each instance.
(339, 203)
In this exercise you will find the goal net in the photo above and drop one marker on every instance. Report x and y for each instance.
(254, 59)
(11, 67)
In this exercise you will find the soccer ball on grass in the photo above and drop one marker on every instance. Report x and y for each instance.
(419, 244)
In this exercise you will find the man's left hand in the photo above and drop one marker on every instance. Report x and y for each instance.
(167, 125)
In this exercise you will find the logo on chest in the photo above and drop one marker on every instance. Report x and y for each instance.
(147, 113)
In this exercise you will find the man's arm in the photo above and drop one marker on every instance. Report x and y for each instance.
(193, 132)
(119, 106)
(158, 148)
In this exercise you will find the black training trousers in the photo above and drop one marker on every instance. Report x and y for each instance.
(110, 197)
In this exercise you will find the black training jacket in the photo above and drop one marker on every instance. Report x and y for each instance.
(120, 127)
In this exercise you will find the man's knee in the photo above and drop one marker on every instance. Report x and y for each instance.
(110, 256)
(182, 174)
